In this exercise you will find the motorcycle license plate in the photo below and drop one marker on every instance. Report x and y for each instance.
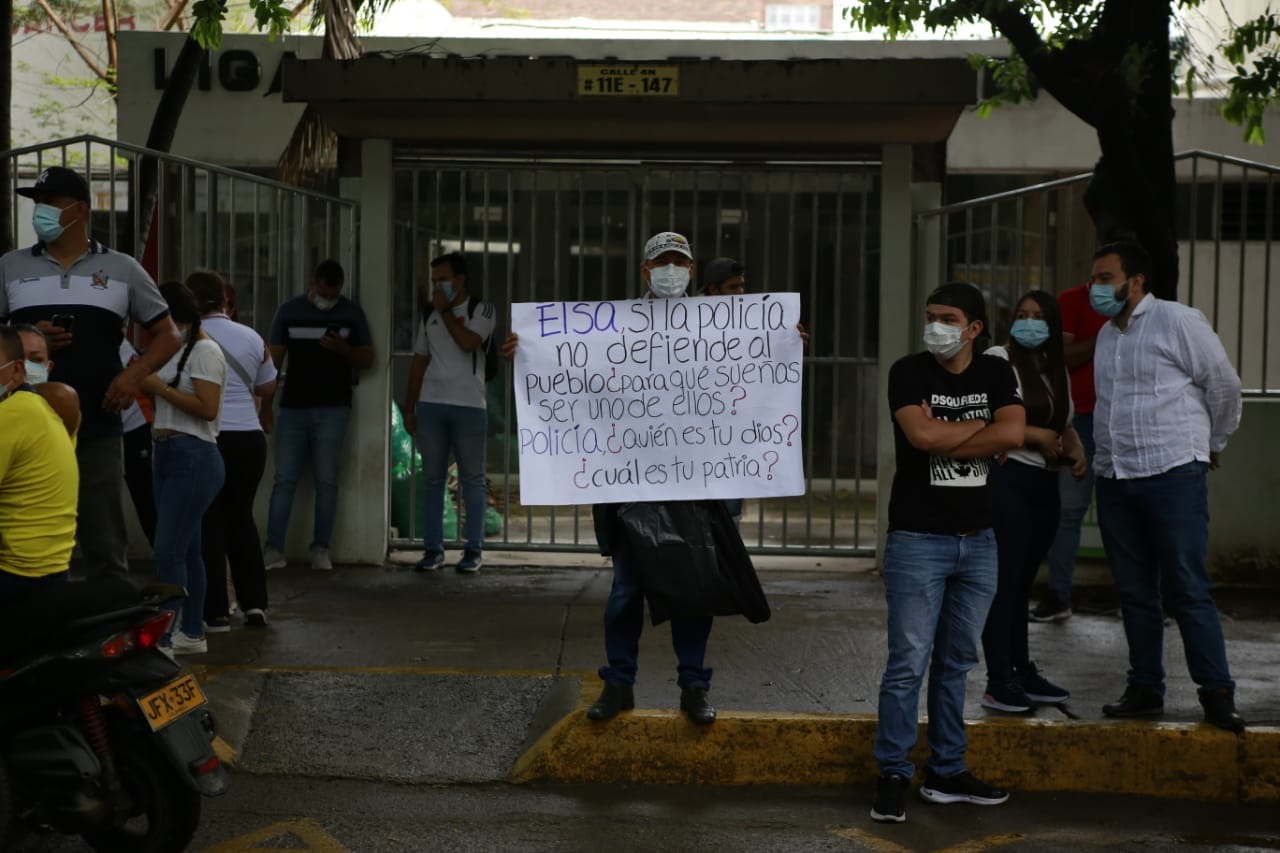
(171, 702)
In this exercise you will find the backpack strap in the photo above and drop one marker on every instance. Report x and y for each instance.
(472, 302)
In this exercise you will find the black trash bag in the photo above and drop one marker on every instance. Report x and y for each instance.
(690, 560)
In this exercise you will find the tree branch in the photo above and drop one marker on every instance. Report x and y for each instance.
(109, 25)
(1063, 80)
(173, 17)
(88, 58)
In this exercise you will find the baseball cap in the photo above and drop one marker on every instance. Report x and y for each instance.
(57, 180)
(721, 269)
(667, 241)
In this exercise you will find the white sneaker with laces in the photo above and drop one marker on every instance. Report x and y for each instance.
(273, 559)
(320, 560)
(184, 645)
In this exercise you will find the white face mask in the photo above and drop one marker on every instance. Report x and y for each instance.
(322, 302)
(37, 372)
(668, 281)
(942, 340)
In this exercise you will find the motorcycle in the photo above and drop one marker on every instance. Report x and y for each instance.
(102, 733)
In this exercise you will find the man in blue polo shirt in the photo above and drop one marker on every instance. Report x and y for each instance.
(80, 293)
(325, 338)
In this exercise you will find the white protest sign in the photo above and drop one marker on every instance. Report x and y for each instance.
(658, 399)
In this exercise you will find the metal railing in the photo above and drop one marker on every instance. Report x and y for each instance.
(1041, 236)
(265, 236)
(570, 230)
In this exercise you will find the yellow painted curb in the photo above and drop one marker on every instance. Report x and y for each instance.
(661, 747)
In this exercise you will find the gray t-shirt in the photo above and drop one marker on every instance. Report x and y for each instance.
(101, 290)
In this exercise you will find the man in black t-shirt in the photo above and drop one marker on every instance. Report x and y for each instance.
(325, 338)
(952, 414)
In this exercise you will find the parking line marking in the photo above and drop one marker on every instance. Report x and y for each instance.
(875, 842)
(302, 830)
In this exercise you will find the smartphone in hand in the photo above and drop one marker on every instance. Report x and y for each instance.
(64, 321)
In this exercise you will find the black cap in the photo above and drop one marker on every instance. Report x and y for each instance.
(720, 270)
(59, 181)
(964, 296)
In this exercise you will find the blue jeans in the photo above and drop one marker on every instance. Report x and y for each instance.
(623, 622)
(463, 430)
(1075, 496)
(1024, 515)
(315, 433)
(1156, 532)
(938, 589)
(186, 475)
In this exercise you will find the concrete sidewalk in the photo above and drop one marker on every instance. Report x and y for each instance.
(497, 669)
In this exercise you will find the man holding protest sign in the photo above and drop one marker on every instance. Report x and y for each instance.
(953, 413)
(660, 408)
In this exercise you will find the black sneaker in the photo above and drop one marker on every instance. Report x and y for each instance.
(960, 788)
(1007, 696)
(1139, 700)
(890, 803)
(1050, 610)
(1037, 687)
(1220, 710)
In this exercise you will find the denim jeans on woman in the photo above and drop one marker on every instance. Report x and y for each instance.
(938, 588)
(1075, 496)
(1156, 532)
(187, 474)
(462, 430)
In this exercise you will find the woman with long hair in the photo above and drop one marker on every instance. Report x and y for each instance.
(230, 535)
(1025, 503)
(187, 469)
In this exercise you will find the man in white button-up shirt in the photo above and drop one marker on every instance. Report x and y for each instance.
(1168, 400)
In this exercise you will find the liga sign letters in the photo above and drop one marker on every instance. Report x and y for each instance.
(658, 399)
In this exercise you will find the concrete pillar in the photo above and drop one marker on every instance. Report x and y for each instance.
(361, 533)
(895, 311)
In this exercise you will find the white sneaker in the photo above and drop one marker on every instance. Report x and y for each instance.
(184, 645)
(255, 617)
(273, 559)
(320, 560)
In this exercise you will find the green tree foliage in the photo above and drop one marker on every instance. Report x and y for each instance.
(1047, 35)
(1115, 64)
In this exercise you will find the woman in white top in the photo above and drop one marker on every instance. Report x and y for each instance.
(1025, 504)
(187, 469)
(230, 535)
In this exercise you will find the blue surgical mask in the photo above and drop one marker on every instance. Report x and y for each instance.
(46, 220)
(668, 281)
(942, 340)
(1104, 300)
(4, 389)
(446, 287)
(37, 372)
(1029, 332)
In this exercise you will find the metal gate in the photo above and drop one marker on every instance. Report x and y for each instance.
(264, 236)
(568, 230)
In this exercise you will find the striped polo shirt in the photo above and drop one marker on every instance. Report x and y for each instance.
(101, 290)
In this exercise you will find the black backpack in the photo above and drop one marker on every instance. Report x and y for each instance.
(491, 364)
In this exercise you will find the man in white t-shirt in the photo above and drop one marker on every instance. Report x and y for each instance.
(445, 407)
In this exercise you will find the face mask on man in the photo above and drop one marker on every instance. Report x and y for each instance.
(942, 340)
(47, 222)
(1029, 332)
(324, 303)
(1104, 300)
(669, 280)
(446, 287)
(37, 372)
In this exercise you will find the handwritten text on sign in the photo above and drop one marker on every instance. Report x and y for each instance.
(658, 399)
